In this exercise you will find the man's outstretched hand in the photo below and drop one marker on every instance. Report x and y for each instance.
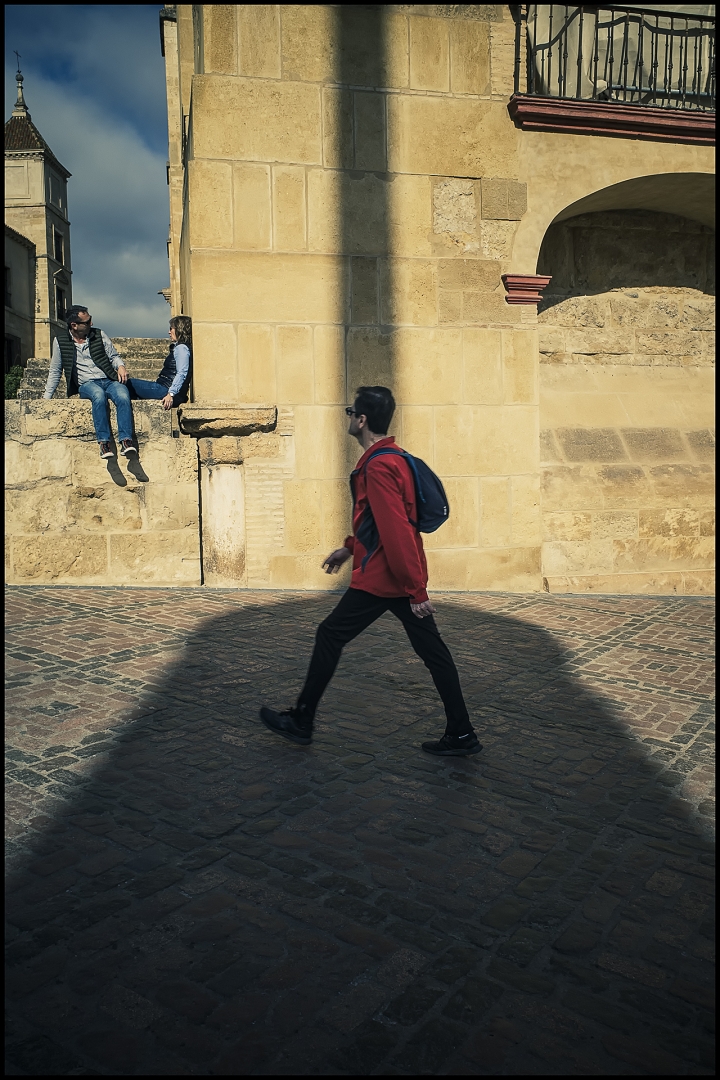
(421, 610)
(334, 561)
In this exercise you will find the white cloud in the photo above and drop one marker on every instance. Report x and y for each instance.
(117, 195)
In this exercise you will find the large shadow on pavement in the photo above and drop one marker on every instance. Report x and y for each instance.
(210, 900)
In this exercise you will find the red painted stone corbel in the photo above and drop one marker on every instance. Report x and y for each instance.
(524, 288)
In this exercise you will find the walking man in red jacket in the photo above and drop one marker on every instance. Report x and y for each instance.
(389, 574)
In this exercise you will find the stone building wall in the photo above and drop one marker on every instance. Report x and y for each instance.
(350, 202)
(627, 404)
(73, 518)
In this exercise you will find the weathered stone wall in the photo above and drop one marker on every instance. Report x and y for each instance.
(74, 518)
(627, 404)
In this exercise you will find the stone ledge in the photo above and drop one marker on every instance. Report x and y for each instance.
(209, 420)
(72, 418)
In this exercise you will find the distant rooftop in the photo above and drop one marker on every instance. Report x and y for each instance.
(22, 136)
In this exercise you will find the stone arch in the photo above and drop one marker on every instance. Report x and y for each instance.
(569, 175)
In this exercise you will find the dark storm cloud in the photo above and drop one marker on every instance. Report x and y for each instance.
(95, 87)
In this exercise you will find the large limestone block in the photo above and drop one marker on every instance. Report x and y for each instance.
(338, 128)
(171, 506)
(41, 460)
(52, 508)
(416, 431)
(427, 365)
(219, 38)
(580, 411)
(370, 355)
(655, 444)
(477, 137)
(654, 583)
(567, 525)
(595, 487)
(259, 40)
(213, 419)
(256, 120)
(408, 292)
(295, 375)
(495, 512)
(12, 419)
(336, 513)
(682, 485)
(347, 212)
(668, 523)
(370, 141)
(210, 203)
(215, 364)
(54, 558)
(257, 379)
(303, 515)
(410, 216)
(364, 290)
(252, 218)
(329, 356)
(486, 440)
(320, 434)
(615, 524)
(69, 416)
(483, 366)
(526, 516)
(664, 553)
(461, 530)
(289, 201)
(155, 558)
(577, 557)
(469, 57)
(303, 572)
(504, 570)
(228, 286)
(310, 42)
(429, 54)
(520, 367)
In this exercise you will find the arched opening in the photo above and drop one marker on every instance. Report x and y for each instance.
(626, 378)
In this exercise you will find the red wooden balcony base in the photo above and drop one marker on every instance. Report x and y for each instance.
(612, 118)
(524, 288)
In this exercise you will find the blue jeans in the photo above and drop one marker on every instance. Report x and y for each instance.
(155, 391)
(97, 392)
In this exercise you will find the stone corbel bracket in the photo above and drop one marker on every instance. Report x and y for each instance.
(206, 420)
(524, 288)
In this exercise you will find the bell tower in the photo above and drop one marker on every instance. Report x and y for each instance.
(36, 208)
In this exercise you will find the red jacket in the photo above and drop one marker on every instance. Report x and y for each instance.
(396, 563)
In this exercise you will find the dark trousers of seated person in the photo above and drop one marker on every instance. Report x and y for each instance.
(356, 611)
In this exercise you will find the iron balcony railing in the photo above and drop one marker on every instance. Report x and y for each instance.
(631, 55)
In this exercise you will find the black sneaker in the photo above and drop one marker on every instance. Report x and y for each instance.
(452, 746)
(127, 447)
(106, 450)
(295, 724)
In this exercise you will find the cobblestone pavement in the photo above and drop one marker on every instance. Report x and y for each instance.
(190, 895)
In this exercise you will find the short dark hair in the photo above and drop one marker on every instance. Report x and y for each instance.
(377, 404)
(72, 313)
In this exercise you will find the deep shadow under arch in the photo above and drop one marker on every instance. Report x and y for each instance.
(193, 896)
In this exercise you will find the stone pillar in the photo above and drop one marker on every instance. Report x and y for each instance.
(222, 500)
(220, 430)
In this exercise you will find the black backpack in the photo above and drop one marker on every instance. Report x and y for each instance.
(433, 509)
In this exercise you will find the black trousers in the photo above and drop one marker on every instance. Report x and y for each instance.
(356, 611)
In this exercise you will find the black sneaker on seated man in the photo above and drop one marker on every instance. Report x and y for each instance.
(106, 450)
(294, 724)
(126, 445)
(454, 746)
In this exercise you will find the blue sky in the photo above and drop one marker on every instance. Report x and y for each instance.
(95, 88)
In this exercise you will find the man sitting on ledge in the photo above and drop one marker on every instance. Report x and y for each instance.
(94, 369)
